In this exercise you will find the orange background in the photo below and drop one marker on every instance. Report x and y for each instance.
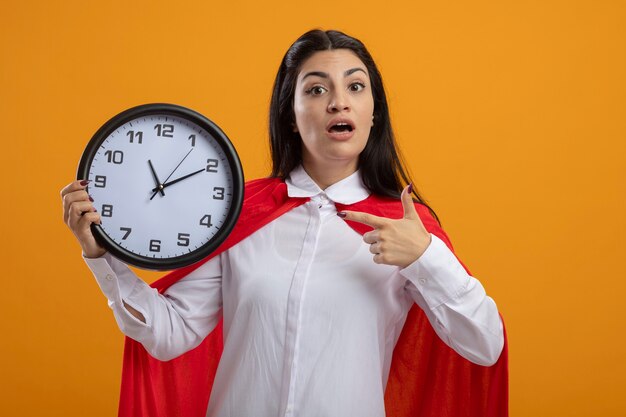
(510, 114)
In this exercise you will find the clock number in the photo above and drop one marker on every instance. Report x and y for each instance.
(133, 135)
(166, 131)
(101, 181)
(211, 165)
(219, 193)
(155, 245)
(126, 231)
(206, 221)
(183, 239)
(107, 210)
(192, 138)
(117, 157)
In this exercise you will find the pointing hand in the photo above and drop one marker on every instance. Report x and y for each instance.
(397, 242)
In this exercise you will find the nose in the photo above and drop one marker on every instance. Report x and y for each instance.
(338, 102)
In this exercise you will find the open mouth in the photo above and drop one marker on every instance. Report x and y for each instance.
(341, 127)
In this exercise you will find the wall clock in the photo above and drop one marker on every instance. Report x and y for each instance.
(168, 185)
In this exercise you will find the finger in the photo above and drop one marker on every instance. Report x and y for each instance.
(407, 203)
(68, 196)
(74, 186)
(371, 237)
(77, 210)
(71, 198)
(365, 218)
(84, 224)
(83, 228)
(376, 248)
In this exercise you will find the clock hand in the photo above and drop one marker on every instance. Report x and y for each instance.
(171, 173)
(156, 178)
(167, 184)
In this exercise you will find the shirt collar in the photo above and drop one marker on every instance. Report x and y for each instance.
(347, 191)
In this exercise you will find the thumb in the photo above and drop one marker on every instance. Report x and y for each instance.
(407, 203)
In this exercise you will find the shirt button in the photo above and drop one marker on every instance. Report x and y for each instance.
(422, 281)
(109, 277)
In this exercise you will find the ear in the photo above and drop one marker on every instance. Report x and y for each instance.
(294, 126)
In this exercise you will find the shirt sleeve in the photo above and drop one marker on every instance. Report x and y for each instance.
(456, 304)
(176, 321)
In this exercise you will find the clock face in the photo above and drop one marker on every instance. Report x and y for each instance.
(167, 184)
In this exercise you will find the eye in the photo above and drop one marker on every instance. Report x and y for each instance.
(316, 91)
(356, 87)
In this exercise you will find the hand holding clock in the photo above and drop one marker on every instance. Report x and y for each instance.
(79, 213)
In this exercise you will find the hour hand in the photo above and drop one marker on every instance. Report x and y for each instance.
(159, 186)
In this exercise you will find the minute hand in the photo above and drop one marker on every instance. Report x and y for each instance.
(167, 184)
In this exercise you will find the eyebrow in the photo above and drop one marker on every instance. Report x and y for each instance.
(325, 74)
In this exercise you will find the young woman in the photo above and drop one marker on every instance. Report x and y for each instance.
(314, 301)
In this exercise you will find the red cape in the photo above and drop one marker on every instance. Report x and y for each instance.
(427, 378)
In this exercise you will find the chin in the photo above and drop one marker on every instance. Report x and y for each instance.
(340, 159)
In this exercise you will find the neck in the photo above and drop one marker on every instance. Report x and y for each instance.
(326, 175)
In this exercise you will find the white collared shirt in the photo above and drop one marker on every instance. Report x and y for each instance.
(310, 321)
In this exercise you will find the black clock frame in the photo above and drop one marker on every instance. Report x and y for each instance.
(152, 109)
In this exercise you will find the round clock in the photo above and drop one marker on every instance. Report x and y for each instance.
(167, 183)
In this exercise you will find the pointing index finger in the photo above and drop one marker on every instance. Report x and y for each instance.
(365, 218)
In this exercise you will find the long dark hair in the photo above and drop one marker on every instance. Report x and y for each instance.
(380, 163)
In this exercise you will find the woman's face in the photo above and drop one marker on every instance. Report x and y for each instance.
(334, 107)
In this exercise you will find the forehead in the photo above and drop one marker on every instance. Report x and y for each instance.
(335, 61)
